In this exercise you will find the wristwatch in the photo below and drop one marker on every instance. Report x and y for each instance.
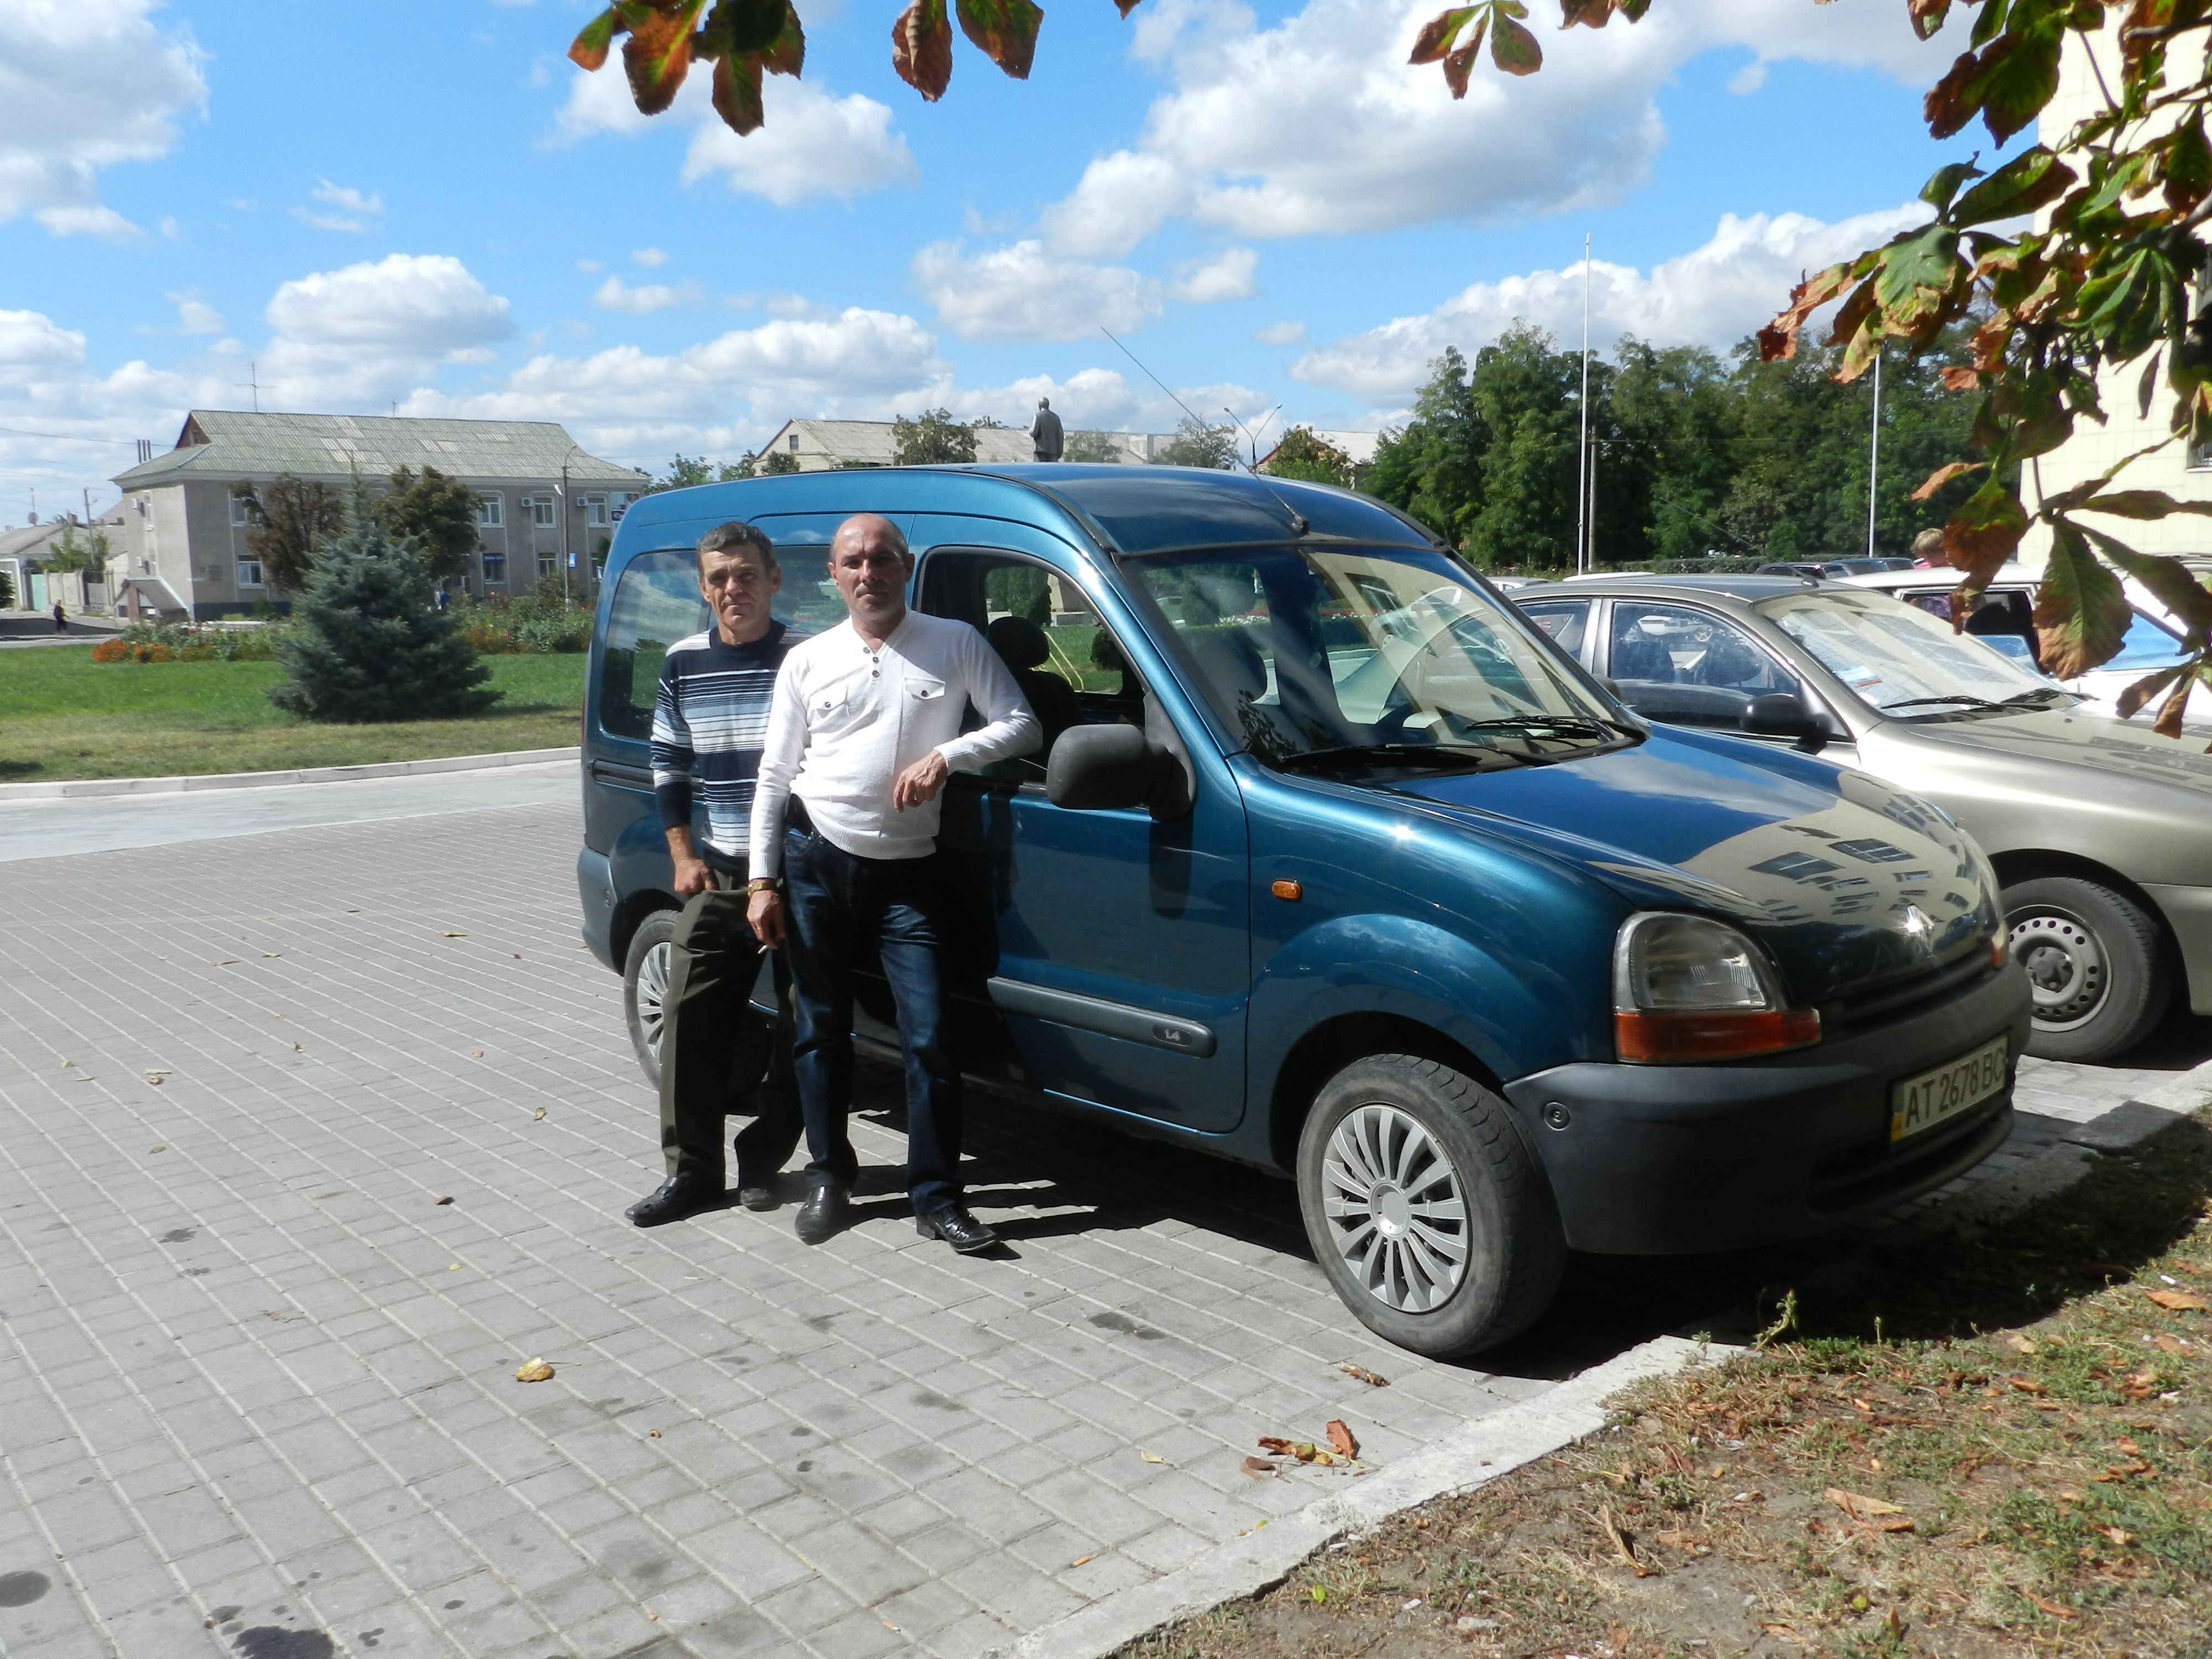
(762, 884)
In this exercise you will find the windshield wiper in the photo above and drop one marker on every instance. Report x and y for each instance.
(1965, 699)
(2023, 699)
(1414, 754)
(1592, 724)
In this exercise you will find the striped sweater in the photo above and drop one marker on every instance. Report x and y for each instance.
(708, 722)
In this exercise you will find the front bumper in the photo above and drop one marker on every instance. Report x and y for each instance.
(1673, 1159)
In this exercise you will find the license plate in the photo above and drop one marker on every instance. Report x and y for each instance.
(1923, 1102)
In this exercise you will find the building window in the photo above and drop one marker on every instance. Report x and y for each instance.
(240, 514)
(622, 504)
(545, 511)
(487, 512)
(595, 510)
(495, 568)
(547, 566)
(249, 573)
(794, 443)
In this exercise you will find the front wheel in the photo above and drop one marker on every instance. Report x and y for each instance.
(1428, 1212)
(645, 989)
(2092, 957)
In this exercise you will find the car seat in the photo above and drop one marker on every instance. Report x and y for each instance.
(1637, 656)
(1021, 645)
(1730, 663)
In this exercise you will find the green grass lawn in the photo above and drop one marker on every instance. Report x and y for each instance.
(62, 715)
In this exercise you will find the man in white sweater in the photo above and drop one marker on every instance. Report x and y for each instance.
(864, 728)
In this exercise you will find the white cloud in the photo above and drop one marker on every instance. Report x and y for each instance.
(650, 258)
(354, 208)
(83, 86)
(1020, 292)
(813, 142)
(1281, 334)
(370, 331)
(195, 316)
(1713, 296)
(1224, 276)
(1316, 124)
(614, 295)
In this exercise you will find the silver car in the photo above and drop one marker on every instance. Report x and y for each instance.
(2101, 830)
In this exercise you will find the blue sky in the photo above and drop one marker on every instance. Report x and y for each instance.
(420, 204)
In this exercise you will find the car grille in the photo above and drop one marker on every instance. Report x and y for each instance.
(1910, 996)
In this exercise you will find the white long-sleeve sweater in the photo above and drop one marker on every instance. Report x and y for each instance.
(846, 720)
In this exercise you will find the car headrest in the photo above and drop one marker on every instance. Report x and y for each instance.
(1019, 642)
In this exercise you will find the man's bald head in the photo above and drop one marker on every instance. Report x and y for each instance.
(870, 564)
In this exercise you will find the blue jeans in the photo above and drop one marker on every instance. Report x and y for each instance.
(838, 906)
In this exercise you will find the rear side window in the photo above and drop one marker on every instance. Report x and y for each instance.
(1563, 619)
(656, 603)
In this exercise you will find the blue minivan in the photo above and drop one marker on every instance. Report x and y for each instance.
(1333, 864)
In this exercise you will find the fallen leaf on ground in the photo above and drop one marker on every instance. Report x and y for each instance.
(1079, 1560)
(653, 1434)
(1620, 1543)
(2020, 1343)
(1340, 1439)
(1860, 1507)
(1151, 1457)
(160, 1149)
(2051, 1607)
(1304, 1450)
(2172, 1344)
(536, 1371)
(67, 1064)
(450, 934)
(476, 1054)
(2127, 1446)
(2067, 1494)
(154, 1077)
(2120, 1535)
(2179, 1301)
(1361, 1374)
(2026, 1384)
(273, 954)
(297, 1049)
(1260, 1468)
(227, 962)
(445, 1200)
(539, 1113)
(454, 1268)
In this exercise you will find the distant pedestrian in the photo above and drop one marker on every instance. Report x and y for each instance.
(1928, 552)
(708, 719)
(444, 599)
(61, 618)
(865, 730)
(1046, 439)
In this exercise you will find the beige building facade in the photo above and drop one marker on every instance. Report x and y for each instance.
(2092, 448)
(545, 509)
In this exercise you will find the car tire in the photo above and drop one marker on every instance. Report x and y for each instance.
(645, 982)
(1393, 1144)
(2093, 962)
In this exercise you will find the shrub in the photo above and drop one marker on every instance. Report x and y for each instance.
(368, 643)
(180, 642)
(531, 624)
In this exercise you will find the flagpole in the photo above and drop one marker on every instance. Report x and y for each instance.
(1582, 466)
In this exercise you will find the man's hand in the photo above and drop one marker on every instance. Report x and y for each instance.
(920, 782)
(765, 914)
(692, 875)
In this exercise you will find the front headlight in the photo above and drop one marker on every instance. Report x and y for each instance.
(1690, 988)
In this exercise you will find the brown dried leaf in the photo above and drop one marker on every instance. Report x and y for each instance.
(450, 934)
(1361, 1374)
(2169, 1345)
(445, 1200)
(2051, 1607)
(2026, 1384)
(1151, 1457)
(1620, 1544)
(2179, 1301)
(536, 1371)
(1340, 1439)
(1259, 1468)
(1860, 1507)
(2021, 1343)
(1943, 475)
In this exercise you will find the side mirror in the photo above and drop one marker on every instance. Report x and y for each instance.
(1105, 768)
(1783, 714)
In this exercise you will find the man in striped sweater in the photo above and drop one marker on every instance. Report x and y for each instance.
(709, 723)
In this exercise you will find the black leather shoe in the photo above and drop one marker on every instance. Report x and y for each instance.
(822, 1213)
(674, 1198)
(757, 1195)
(957, 1228)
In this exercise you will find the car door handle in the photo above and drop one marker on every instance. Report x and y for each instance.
(618, 772)
(1114, 1019)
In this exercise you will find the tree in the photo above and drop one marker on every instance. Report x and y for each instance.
(287, 526)
(780, 462)
(1095, 448)
(436, 513)
(1430, 467)
(686, 471)
(367, 642)
(1196, 443)
(1302, 455)
(932, 438)
(71, 556)
(7, 592)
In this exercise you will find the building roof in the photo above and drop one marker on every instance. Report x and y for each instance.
(228, 443)
(36, 541)
(872, 443)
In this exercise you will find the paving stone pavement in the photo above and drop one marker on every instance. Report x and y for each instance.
(256, 1390)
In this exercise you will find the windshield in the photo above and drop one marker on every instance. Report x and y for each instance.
(1370, 654)
(1897, 657)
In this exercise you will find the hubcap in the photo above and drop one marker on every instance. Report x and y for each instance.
(2066, 976)
(1395, 1211)
(651, 992)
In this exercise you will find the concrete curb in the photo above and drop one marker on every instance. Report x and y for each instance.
(75, 787)
(1477, 1452)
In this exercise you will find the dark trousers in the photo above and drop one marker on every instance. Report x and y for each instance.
(711, 1032)
(839, 906)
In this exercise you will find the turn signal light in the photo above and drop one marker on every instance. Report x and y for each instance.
(1649, 1039)
(2000, 949)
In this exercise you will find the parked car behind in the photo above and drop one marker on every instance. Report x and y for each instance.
(2100, 832)
(2006, 620)
(1334, 865)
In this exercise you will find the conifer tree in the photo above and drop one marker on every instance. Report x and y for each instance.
(367, 642)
